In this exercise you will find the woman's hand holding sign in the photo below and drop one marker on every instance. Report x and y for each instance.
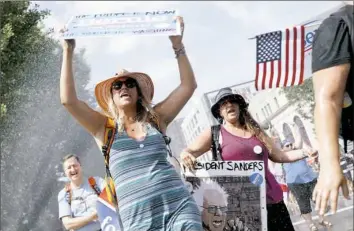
(68, 44)
(176, 40)
(188, 160)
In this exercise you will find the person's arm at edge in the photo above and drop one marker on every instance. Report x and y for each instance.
(329, 87)
(331, 66)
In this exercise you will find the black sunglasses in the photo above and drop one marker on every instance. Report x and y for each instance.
(288, 145)
(231, 100)
(129, 83)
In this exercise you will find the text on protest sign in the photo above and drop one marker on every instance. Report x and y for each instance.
(161, 22)
(231, 165)
(237, 188)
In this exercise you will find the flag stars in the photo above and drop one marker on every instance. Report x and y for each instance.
(269, 47)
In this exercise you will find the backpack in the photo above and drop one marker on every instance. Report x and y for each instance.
(110, 131)
(92, 182)
(215, 144)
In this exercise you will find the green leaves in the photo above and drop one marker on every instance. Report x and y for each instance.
(3, 110)
(303, 97)
(32, 120)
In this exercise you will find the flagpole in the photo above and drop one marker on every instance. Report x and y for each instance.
(306, 26)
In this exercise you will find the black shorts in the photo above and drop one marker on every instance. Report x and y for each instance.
(303, 195)
(278, 217)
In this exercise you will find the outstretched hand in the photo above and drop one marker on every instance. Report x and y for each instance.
(176, 40)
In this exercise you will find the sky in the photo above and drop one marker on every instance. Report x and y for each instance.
(216, 39)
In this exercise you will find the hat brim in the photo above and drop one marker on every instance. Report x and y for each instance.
(238, 99)
(103, 89)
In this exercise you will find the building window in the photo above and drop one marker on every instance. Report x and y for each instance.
(276, 102)
(266, 111)
(199, 130)
(270, 109)
(288, 134)
(264, 114)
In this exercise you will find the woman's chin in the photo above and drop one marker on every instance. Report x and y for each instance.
(126, 103)
(232, 119)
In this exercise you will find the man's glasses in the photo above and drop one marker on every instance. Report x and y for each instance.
(213, 209)
(129, 83)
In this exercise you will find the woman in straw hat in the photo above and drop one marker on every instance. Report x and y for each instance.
(242, 139)
(150, 192)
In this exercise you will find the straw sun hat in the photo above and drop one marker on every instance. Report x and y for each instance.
(103, 89)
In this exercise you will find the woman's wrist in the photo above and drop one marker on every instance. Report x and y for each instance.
(188, 151)
(179, 50)
(68, 51)
(303, 154)
(177, 46)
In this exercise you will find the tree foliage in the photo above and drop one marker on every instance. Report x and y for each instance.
(303, 97)
(36, 131)
(20, 37)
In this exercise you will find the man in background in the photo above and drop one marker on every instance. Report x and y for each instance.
(77, 201)
(301, 180)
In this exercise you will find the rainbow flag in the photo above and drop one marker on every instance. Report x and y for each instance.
(107, 213)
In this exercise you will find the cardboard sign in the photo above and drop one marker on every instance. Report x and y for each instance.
(160, 22)
(107, 214)
(231, 195)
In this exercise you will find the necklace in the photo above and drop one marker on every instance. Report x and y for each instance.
(136, 127)
(133, 129)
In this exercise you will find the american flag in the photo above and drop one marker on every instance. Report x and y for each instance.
(280, 58)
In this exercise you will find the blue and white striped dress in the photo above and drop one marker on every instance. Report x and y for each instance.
(151, 195)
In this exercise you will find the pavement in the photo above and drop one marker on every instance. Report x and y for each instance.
(342, 220)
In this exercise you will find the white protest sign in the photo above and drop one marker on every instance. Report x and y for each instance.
(231, 195)
(159, 22)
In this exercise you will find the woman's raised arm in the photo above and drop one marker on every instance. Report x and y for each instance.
(169, 108)
(90, 119)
